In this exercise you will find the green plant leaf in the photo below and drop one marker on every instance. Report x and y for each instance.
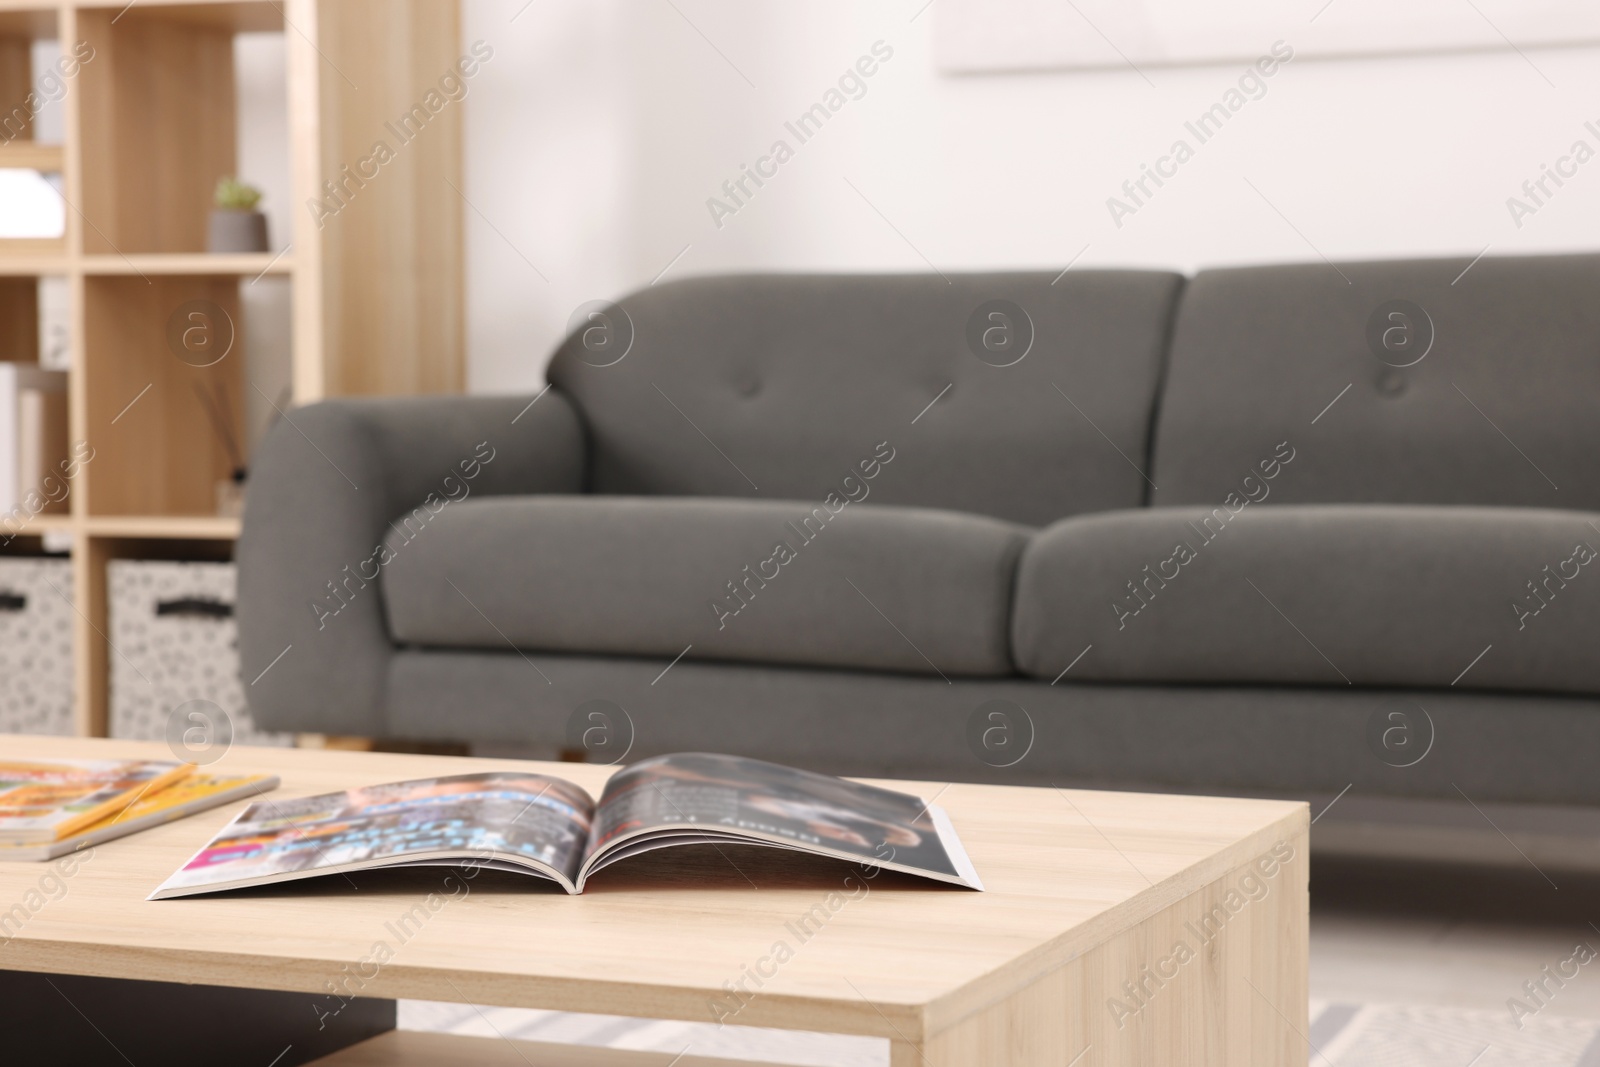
(234, 195)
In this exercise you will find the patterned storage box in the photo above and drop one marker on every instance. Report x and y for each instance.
(173, 640)
(35, 646)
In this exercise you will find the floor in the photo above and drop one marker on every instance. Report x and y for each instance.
(1453, 936)
(1446, 954)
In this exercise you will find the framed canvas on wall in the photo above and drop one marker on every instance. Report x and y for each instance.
(995, 36)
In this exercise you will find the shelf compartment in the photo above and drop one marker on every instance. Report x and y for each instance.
(151, 416)
(19, 319)
(25, 96)
(157, 120)
(19, 28)
(39, 486)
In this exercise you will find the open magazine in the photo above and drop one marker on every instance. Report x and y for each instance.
(535, 824)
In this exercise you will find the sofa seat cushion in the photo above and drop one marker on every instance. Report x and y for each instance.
(885, 588)
(1478, 598)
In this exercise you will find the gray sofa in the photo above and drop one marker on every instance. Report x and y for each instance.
(1260, 530)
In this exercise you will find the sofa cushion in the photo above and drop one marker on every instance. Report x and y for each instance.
(778, 386)
(1478, 598)
(899, 589)
(1499, 411)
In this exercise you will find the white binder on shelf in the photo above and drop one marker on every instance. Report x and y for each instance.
(32, 433)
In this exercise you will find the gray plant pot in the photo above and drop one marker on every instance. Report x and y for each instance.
(237, 231)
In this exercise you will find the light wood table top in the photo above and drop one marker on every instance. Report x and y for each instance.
(655, 937)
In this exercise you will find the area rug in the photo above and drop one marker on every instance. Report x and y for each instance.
(647, 1035)
(1341, 1035)
(1390, 1035)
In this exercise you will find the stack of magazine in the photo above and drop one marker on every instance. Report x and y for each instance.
(49, 808)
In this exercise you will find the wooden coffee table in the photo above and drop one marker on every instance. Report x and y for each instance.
(1118, 928)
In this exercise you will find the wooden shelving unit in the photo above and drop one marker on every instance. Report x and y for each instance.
(375, 292)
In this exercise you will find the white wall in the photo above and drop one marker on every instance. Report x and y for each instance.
(262, 116)
(600, 128)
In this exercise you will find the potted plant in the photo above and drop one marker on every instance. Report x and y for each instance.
(236, 225)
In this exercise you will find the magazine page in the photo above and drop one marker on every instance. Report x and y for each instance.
(526, 822)
(686, 798)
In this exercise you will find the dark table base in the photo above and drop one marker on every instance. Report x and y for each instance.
(70, 1019)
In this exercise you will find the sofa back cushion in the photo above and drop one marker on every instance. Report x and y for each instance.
(781, 386)
(1421, 382)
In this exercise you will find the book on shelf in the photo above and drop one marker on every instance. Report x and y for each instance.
(44, 801)
(187, 796)
(550, 828)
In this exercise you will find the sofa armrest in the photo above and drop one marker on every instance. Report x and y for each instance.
(328, 486)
